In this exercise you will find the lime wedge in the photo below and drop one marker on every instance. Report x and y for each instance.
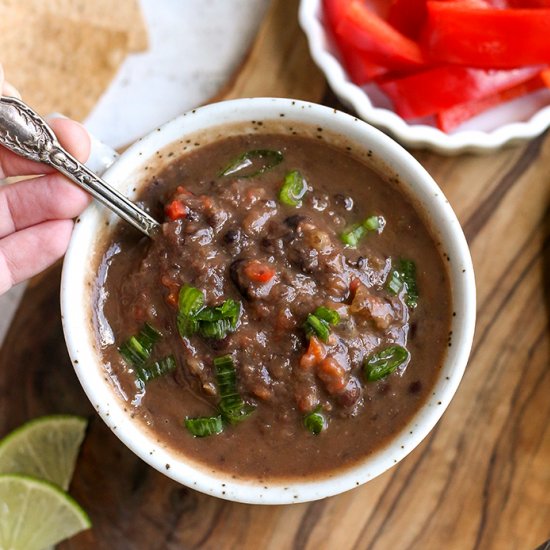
(35, 514)
(45, 448)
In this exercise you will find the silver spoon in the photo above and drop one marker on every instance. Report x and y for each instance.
(25, 133)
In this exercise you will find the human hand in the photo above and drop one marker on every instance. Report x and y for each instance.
(36, 214)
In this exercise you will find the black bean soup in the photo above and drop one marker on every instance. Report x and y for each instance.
(290, 317)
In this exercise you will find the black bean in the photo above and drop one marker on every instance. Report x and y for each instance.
(294, 221)
(360, 263)
(272, 245)
(232, 236)
(351, 394)
(306, 261)
(235, 272)
(287, 237)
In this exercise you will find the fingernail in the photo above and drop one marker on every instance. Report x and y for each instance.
(10, 90)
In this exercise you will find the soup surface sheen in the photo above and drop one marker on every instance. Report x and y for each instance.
(255, 270)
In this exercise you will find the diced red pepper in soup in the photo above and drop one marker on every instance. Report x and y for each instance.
(259, 272)
(176, 210)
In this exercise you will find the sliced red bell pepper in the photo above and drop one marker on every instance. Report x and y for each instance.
(366, 31)
(357, 65)
(501, 4)
(334, 11)
(381, 8)
(469, 34)
(440, 88)
(359, 68)
(534, 4)
(449, 119)
(408, 16)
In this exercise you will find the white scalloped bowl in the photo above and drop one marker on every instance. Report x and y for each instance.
(513, 122)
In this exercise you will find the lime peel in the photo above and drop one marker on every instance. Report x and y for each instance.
(44, 448)
(35, 514)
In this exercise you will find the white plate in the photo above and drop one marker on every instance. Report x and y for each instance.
(515, 121)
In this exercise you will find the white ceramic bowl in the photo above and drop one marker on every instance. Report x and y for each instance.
(515, 121)
(279, 114)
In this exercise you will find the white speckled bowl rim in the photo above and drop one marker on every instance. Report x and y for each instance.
(412, 135)
(76, 302)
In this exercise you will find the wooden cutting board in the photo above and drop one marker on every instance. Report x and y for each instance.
(480, 480)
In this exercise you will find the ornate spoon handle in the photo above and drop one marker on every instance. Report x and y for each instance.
(25, 133)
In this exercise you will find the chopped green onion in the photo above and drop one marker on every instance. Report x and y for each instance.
(394, 283)
(319, 322)
(235, 415)
(190, 300)
(224, 364)
(356, 232)
(144, 373)
(408, 273)
(293, 189)
(381, 364)
(210, 321)
(373, 223)
(232, 406)
(404, 276)
(268, 160)
(204, 426)
(216, 329)
(218, 321)
(318, 326)
(227, 310)
(329, 315)
(352, 236)
(187, 326)
(315, 422)
(133, 351)
(149, 336)
(137, 349)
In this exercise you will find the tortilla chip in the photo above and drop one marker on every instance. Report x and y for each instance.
(57, 64)
(120, 15)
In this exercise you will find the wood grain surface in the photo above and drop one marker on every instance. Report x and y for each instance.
(481, 480)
